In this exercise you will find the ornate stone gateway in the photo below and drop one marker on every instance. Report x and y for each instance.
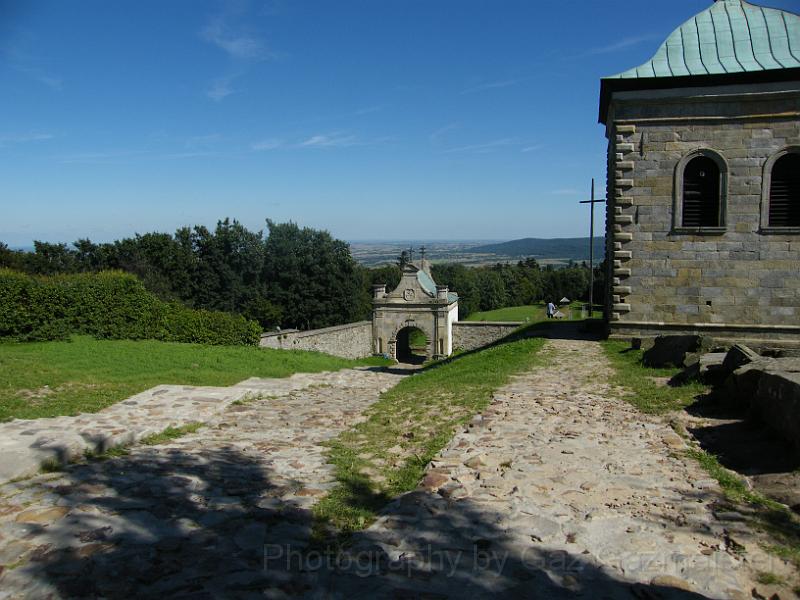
(416, 305)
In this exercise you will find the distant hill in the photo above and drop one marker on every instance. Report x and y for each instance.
(565, 248)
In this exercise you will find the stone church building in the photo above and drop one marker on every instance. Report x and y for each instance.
(703, 191)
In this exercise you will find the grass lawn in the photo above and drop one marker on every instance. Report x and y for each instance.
(47, 379)
(386, 455)
(649, 391)
(417, 340)
(532, 314)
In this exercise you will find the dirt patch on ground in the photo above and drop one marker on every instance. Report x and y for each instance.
(37, 394)
(46, 391)
(660, 381)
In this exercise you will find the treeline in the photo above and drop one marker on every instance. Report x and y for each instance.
(292, 276)
(287, 276)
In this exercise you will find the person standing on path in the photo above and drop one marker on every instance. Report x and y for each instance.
(551, 310)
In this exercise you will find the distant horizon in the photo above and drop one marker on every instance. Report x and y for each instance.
(398, 242)
(72, 234)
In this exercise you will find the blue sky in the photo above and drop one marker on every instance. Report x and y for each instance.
(374, 119)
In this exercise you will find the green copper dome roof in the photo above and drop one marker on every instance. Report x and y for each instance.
(731, 36)
(426, 282)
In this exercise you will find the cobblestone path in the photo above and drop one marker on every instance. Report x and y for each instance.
(559, 489)
(189, 518)
(26, 444)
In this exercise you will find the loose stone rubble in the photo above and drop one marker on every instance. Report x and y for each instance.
(190, 515)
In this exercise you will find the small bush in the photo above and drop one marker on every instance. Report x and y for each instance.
(108, 305)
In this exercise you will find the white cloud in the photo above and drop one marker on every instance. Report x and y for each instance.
(30, 65)
(624, 43)
(43, 77)
(221, 88)
(483, 148)
(267, 144)
(242, 47)
(182, 155)
(367, 110)
(104, 157)
(330, 140)
(203, 141)
(237, 44)
(21, 138)
(533, 148)
(119, 157)
(436, 136)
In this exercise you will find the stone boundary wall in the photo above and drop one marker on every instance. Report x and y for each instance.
(469, 335)
(353, 340)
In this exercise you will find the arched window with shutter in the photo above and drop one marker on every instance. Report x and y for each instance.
(701, 198)
(700, 192)
(784, 192)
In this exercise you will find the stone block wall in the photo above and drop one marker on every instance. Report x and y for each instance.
(356, 339)
(739, 282)
(346, 341)
(470, 335)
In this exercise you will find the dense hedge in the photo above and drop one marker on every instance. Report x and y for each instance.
(112, 305)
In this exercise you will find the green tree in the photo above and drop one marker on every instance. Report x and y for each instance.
(228, 267)
(493, 290)
(462, 280)
(10, 259)
(388, 275)
(49, 259)
(311, 276)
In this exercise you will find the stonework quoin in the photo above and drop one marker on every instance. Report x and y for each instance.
(674, 264)
(416, 304)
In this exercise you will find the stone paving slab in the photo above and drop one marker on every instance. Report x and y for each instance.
(190, 518)
(26, 444)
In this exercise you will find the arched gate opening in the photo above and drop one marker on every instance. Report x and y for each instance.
(412, 346)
